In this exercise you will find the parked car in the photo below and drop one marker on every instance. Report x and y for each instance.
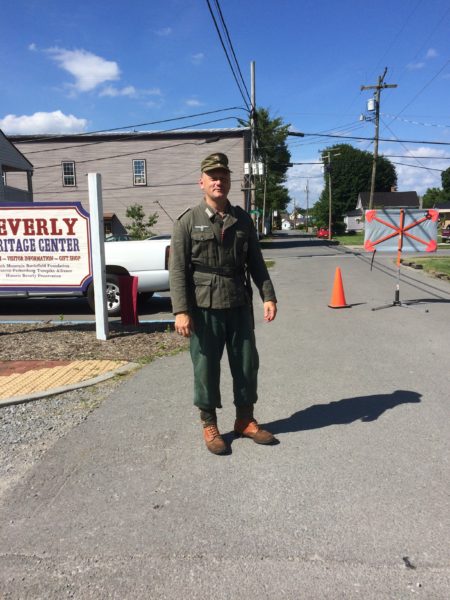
(322, 233)
(445, 234)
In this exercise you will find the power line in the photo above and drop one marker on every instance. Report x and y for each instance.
(231, 47)
(416, 122)
(352, 137)
(227, 56)
(416, 166)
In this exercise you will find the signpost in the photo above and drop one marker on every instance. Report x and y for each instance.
(390, 230)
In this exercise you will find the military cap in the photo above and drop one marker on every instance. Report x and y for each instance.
(215, 161)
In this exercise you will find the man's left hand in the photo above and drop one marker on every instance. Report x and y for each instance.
(270, 311)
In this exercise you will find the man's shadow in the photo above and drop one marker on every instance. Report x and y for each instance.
(343, 412)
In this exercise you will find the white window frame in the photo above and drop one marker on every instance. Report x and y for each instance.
(66, 175)
(139, 178)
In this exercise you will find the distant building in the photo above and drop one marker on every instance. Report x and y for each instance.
(354, 219)
(158, 170)
(15, 173)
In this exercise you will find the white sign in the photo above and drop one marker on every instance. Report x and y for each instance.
(44, 247)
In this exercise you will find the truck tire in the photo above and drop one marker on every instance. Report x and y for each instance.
(112, 295)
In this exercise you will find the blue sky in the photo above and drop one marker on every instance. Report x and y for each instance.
(88, 66)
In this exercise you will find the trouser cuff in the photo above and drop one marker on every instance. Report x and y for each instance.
(208, 416)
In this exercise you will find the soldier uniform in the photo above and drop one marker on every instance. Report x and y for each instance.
(212, 258)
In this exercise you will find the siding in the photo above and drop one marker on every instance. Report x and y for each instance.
(172, 163)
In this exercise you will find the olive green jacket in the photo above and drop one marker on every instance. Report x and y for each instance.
(208, 261)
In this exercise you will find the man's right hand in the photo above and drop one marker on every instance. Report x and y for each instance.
(183, 324)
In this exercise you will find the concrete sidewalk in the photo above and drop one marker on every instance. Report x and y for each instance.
(352, 503)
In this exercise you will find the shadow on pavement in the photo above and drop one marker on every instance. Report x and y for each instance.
(295, 242)
(343, 412)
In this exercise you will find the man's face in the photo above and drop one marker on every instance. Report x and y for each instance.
(215, 184)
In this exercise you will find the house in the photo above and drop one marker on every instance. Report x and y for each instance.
(444, 213)
(15, 173)
(157, 170)
(354, 219)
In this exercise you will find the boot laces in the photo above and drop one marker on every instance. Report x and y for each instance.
(212, 430)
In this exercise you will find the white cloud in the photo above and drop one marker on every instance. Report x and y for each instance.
(432, 53)
(298, 176)
(164, 31)
(113, 92)
(411, 178)
(42, 122)
(151, 92)
(32, 47)
(193, 102)
(130, 91)
(198, 58)
(88, 69)
(415, 66)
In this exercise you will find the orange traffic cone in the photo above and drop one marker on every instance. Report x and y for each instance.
(337, 295)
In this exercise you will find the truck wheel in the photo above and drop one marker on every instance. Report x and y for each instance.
(112, 296)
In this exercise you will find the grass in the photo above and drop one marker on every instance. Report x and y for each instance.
(350, 239)
(435, 264)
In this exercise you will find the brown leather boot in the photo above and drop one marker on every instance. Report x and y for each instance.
(250, 428)
(213, 440)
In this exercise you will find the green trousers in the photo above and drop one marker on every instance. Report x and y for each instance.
(213, 329)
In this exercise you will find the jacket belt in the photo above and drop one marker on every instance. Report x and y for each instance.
(223, 271)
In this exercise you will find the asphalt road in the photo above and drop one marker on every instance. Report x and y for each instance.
(353, 502)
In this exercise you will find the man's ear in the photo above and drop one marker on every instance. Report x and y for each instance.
(200, 183)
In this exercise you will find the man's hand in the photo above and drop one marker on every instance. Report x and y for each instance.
(183, 324)
(270, 311)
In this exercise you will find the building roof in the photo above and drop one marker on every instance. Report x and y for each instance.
(442, 206)
(128, 135)
(390, 199)
(16, 161)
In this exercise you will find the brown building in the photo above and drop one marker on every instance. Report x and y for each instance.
(159, 171)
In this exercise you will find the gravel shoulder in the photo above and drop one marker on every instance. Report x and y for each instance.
(28, 430)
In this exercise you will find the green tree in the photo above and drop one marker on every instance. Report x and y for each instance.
(139, 228)
(445, 178)
(271, 134)
(434, 196)
(351, 174)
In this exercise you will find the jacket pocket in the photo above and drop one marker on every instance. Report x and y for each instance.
(202, 289)
(202, 244)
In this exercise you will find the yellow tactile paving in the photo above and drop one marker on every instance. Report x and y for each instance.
(40, 380)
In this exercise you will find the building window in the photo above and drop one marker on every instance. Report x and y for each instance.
(68, 174)
(139, 172)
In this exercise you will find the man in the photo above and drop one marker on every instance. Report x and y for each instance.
(214, 249)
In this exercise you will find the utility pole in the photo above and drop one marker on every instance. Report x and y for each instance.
(253, 137)
(328, 156)
(307, 204)
(377, 97)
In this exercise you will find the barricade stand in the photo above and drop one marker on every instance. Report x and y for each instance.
(394, 224)
(128, 286)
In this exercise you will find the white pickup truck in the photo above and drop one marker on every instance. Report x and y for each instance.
(146, 259)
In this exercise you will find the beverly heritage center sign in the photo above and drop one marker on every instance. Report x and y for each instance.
(44, 247)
